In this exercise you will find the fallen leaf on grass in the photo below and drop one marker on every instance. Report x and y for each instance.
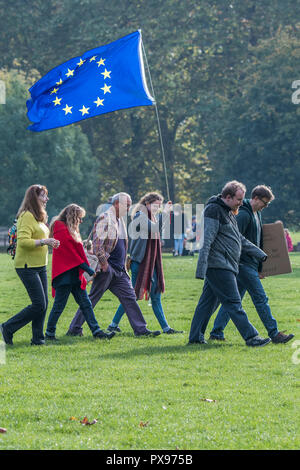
(73, 418)
(208, 399)
(86, 422)
(2, 430)
(144, 424)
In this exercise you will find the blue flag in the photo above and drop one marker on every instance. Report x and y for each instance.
(100, 81)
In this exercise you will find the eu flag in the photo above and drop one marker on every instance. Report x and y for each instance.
(100, 81)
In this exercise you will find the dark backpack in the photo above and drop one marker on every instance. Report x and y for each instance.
(12, 239)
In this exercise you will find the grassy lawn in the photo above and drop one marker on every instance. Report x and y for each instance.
(151, 393)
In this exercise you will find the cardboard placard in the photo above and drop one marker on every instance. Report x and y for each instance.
(274, 245)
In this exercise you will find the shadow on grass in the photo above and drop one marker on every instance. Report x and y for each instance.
(163, 349)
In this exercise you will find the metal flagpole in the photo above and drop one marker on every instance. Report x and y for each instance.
(158, 123)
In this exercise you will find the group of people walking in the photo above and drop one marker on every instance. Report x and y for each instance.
(69, 264)
(230, 257)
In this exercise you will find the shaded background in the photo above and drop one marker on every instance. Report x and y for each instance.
(222, 73)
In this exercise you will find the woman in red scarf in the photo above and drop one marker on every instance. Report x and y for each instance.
(69, 263)
(146, 258)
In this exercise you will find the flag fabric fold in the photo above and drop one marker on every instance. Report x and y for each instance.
(102, 80)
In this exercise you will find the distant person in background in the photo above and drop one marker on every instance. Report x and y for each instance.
(146, 258)
(31, 264)
(103, 207)
(69, 263)
(289, 241)
(248, 279)
(179, 225)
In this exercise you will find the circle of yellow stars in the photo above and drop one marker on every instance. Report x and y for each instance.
(70, 73)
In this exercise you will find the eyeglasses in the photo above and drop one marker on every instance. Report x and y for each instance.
(264, 202)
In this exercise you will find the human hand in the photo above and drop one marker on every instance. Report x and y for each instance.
(168, 207)
(52, 242)
(104, 266)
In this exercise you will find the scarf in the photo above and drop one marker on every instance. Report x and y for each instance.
(68, 255)
(152, 259)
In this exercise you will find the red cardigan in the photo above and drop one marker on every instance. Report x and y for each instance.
(68, 255)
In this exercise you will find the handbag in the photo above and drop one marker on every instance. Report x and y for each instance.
(92, 259)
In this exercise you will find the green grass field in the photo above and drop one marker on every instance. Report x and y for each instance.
(152, 393)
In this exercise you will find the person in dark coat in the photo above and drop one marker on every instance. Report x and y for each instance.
(248, 279)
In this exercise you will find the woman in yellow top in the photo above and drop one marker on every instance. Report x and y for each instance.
(31, 263)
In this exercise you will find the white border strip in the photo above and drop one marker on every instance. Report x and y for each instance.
(142, 69)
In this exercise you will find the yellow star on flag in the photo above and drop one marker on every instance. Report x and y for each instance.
(99, 102)
(92, 58)
(106, 88)
(55, 90)
(106, 73)
(70, 73)
(80, 63)
(68, 109)
(57, 101)
(60, 82)
(84, 110)
(101, 62)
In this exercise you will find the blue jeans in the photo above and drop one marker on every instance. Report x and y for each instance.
(220, 286)
(248, 280)
(81, 297)
(178, 244)
(35, 282)
(155, 299)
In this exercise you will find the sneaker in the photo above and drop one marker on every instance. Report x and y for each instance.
(37, 343)
(50, 338)
(257, 341)
(74, 333)
(171, 331)
(282, 338)
(216, 338)
(102, 335)
(148, 333)
(202, 341)
(114, 328)
(7, 337)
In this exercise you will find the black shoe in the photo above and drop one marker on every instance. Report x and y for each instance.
(50, 338)
(7, 337)
(148, 333)
(37, 343)
(114, 328)
(257, 341)
(171, 331)
(282, 338)
(102, 335)
(74, 333)
(202, 341)
(217, 338)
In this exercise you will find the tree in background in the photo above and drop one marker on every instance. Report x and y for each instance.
(61, 159)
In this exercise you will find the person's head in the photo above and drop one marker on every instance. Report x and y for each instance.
(261, 196)
(35, 201)
(233, 194)
(121, 203)
(72, 215)
(152, 201)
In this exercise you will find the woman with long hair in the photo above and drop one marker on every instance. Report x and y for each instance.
(146, 258)
(31, 263)
(69, 262)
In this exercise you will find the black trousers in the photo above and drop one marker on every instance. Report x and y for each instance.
(35, 282)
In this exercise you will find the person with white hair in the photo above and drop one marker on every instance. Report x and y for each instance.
(110, 246)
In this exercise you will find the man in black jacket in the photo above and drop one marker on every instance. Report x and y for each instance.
(221, 245)
(248, 279)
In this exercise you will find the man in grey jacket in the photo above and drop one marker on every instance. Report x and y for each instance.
(220, 250)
